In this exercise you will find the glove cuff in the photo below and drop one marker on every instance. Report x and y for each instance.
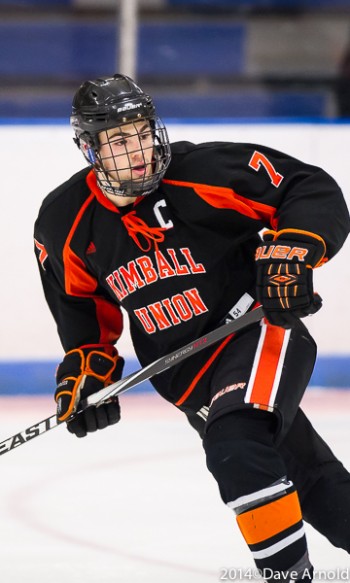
(311, 251)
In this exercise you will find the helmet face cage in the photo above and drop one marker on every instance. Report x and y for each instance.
(120, 136)
(132, 163)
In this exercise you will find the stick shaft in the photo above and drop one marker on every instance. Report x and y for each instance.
(28, 434)
(169, 360)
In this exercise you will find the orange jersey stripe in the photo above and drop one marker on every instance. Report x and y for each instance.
(267, 366)
(77, 280)
(203, 370)
(271, 519)
(91, 181)
(222, 197)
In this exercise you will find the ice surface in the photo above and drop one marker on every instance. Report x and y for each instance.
(134, 502)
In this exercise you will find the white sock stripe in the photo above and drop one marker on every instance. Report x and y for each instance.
(260, 494)
(273, 549)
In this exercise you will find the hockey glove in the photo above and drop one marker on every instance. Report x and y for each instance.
(284, 275)
(82, 372)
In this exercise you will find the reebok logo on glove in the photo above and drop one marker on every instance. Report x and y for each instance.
(281, 252)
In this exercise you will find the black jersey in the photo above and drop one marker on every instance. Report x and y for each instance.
(178, 259)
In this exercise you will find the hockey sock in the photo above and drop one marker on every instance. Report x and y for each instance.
(251, 476)
(271, 523)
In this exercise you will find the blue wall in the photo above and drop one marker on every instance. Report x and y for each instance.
(38, 377)
(63, 49)
(57, 53)
(262, 4)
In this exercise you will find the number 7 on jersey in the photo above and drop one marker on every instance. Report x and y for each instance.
(257, 160)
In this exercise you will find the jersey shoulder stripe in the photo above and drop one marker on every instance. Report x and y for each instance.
(227, 198)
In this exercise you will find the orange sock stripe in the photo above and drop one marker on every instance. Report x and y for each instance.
(271, 519)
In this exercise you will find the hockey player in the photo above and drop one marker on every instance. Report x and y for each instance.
(169, 232)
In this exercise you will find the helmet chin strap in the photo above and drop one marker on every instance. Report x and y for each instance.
(124, 189)
(106, 186)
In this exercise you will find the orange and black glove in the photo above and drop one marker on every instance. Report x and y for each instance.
(82, 372)
(285, 263)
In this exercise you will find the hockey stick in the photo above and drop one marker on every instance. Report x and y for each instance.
(156, 367)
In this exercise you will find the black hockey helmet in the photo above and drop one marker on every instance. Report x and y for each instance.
(109, 102)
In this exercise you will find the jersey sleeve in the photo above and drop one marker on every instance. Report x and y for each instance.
(276, 190)
(306, 198)
(83, 313)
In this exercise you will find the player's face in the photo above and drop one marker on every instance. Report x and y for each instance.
(127, 151)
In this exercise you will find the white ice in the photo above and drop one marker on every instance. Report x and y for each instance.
(135, 502)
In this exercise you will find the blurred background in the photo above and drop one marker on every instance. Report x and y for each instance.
(198, 58)
(275, 72)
